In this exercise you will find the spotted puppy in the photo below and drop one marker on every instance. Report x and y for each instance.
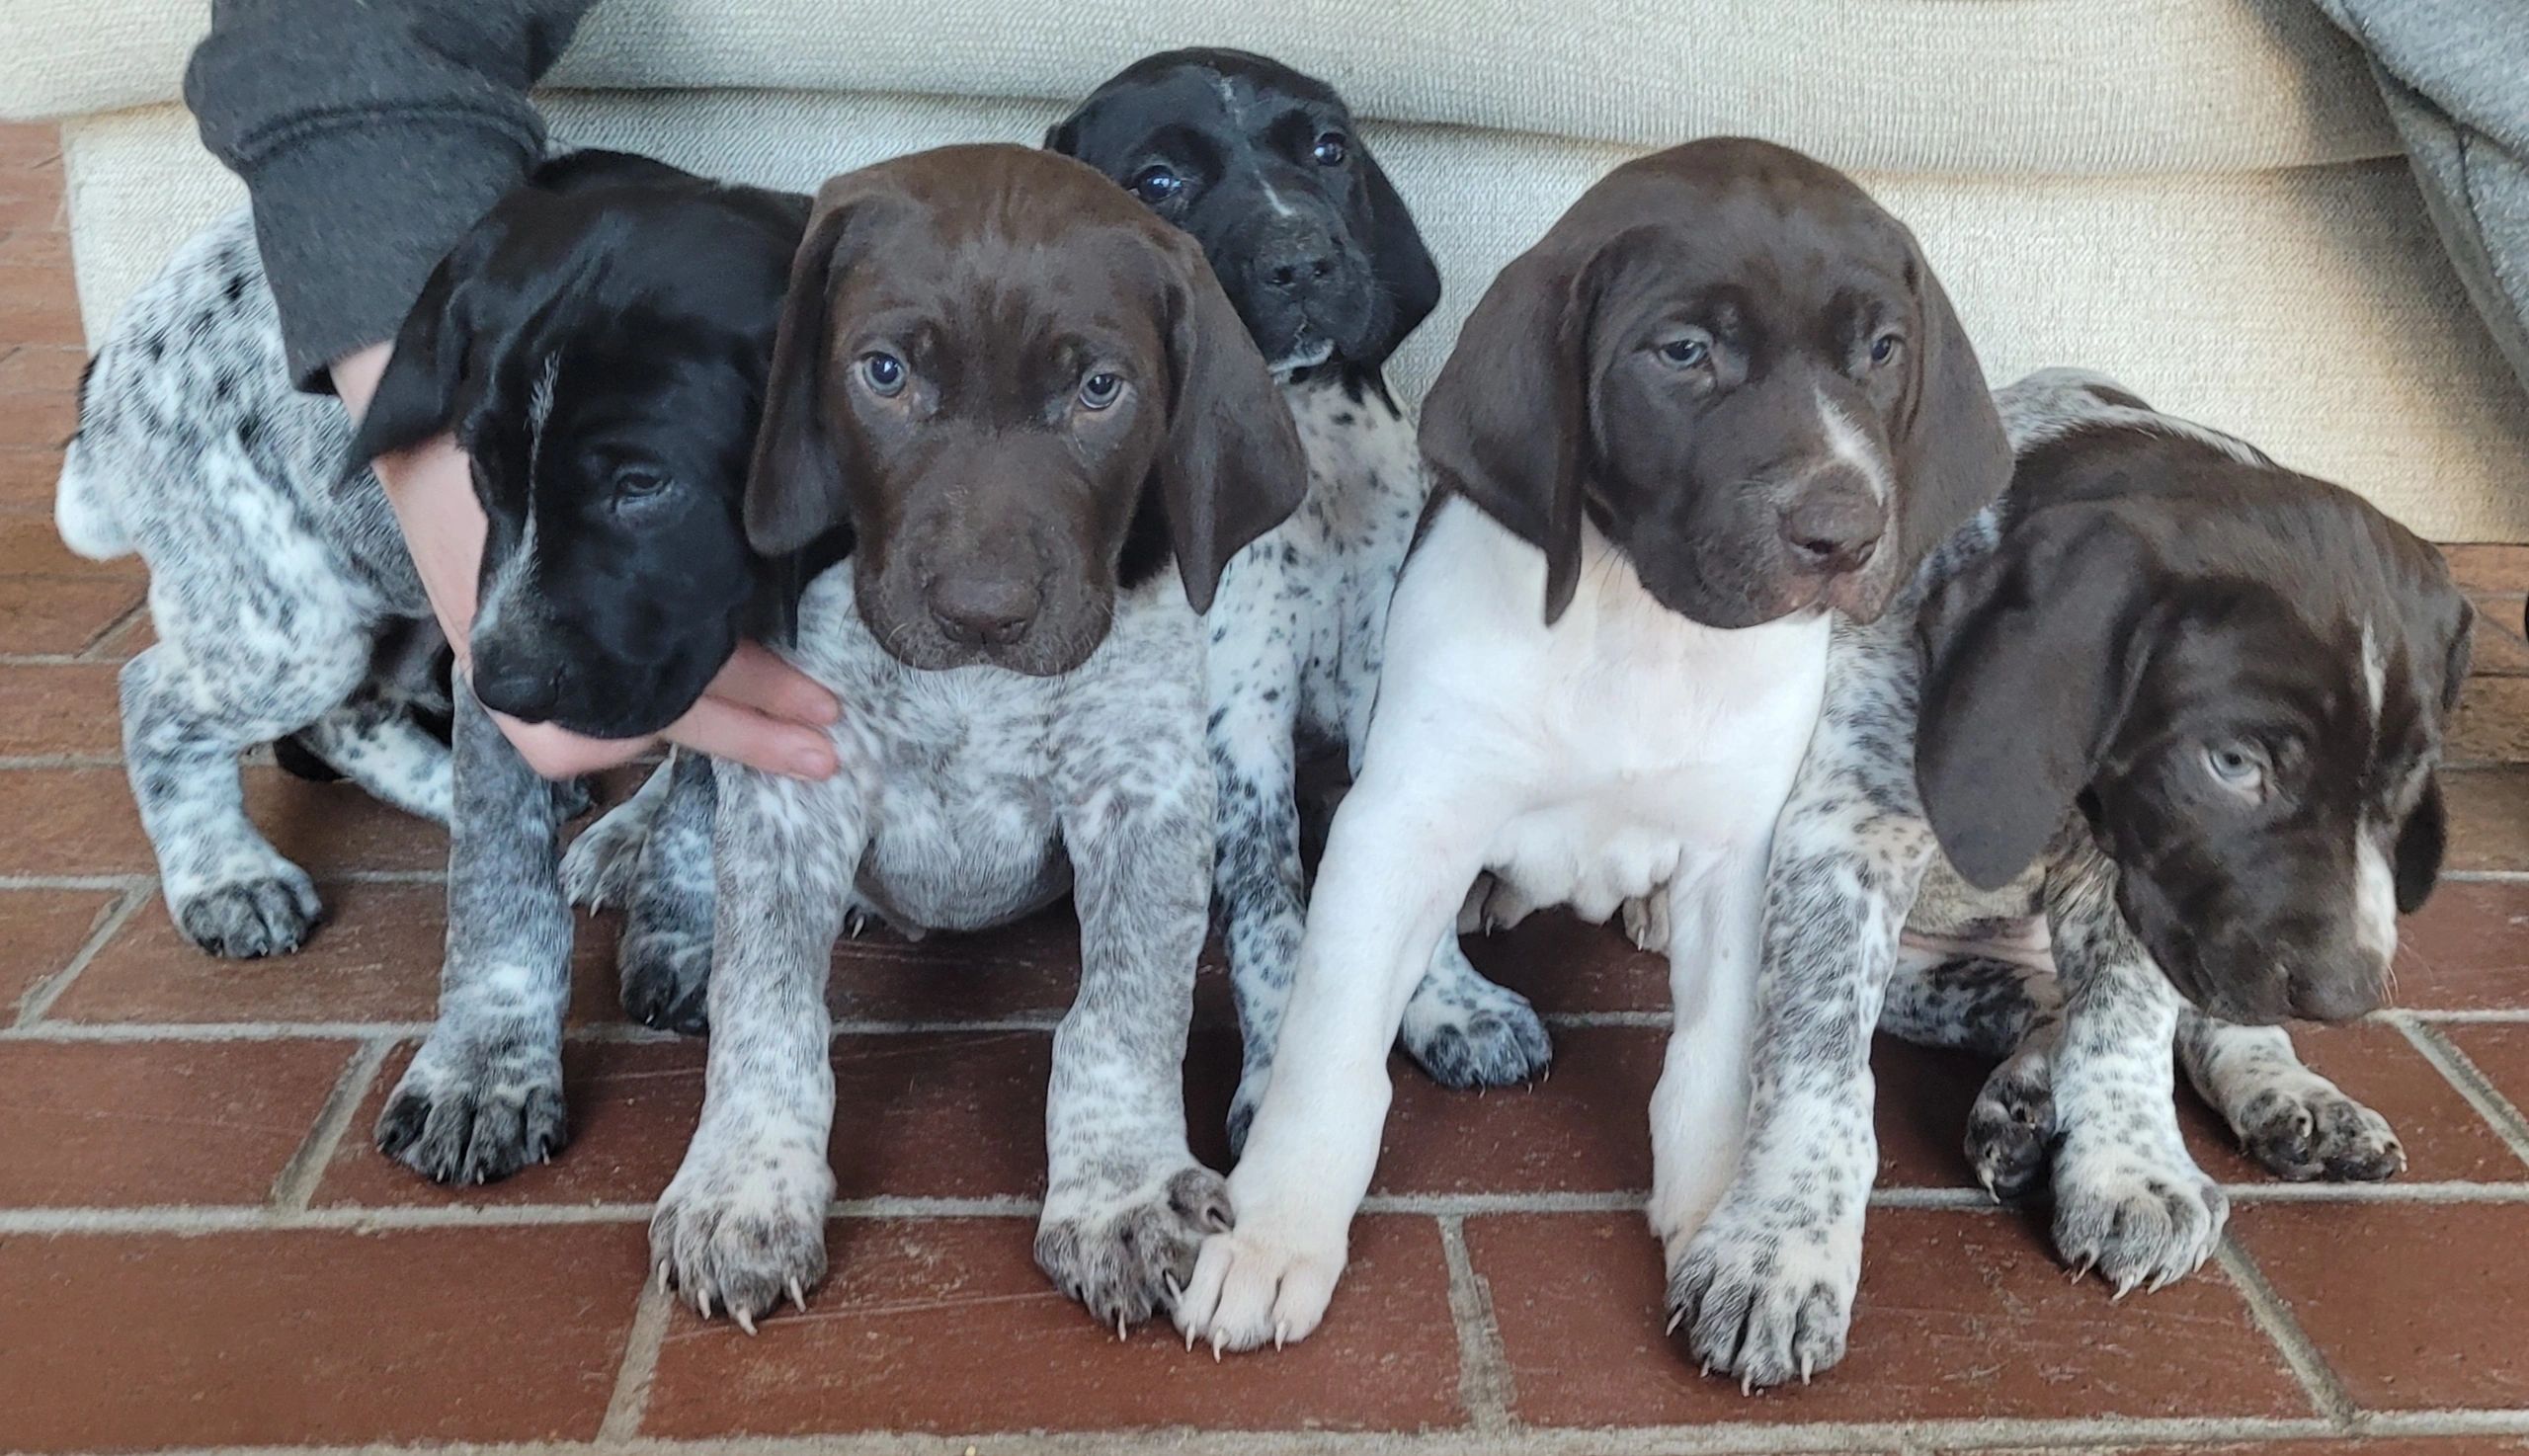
(1031, 407)
(604, 387)
(1322, 260)
(1723, 398)
(2174, 712)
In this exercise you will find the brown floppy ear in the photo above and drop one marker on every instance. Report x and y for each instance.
(1231, 468)
(2029, 658)
(797, 488)
(2425, 835)
(1952, 456)
(1507, 423)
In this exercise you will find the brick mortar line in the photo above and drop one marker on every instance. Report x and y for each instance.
(2470, 1083)
(40, 996)
(90, 650)
(2274, 1317)
(58, 761)
(630, 1403)
(1485, 1383)
(296, 1185)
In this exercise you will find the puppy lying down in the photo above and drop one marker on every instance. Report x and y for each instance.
(2174, 712)
(1722, 396)
(1045, 430)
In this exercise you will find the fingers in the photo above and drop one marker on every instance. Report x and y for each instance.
(756, 678)
(558, 753)
(774, 745)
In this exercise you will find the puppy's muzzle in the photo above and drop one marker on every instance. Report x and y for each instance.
(1833, 530)
(984, 611)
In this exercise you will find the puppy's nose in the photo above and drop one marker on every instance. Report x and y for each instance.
(1297, 260)
(516, 684)
(1831, 532)
(984, 612)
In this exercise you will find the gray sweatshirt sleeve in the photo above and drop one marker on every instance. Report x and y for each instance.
(370, 133)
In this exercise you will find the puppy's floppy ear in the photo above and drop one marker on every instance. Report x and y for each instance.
(1952, 456)
(1507, 423)
(2425, 835)
(1399, 262)
(797, 484)
(1231, 468)
(2420, 843)
(473, 317)
(2030, 656)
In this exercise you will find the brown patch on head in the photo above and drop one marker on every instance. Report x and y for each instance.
(1022, 393)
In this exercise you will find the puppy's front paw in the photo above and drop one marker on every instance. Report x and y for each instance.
(743, 1225)
(1765, 1291)
(475, 1106)
(665, 978)
(2141, 1221)
(2312, 1130)
(1476, 1035)
(1261, 1281)
(1124, 1255)
(603, 866)
(2010, 1131)
(269, 911)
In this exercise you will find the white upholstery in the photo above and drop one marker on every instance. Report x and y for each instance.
(2197, 195)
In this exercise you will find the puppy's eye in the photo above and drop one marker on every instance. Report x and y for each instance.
(637, 483)
(1886, 347)
(2236, 766)
(1331, 149)
(1101, 390)
(1686, 354)
(1156, 185)
(884, 373)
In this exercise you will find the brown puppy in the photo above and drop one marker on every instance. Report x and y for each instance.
(1022, 407)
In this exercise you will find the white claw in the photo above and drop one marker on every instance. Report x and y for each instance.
(1675, 1319)
(1281, 1333)
(1120, 1332)
(1176, 1291)
(1747, 1383)
(703, 1302)
(1189, 1340)
(799, 1296)
(1216, 1346)
(1804, 1369)
(745, 1322)
(2124, 1287)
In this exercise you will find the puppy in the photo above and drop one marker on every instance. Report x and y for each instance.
(605, 383)
(1027, 402)
(1721, 399)
(1322, 260)
(2175, 713)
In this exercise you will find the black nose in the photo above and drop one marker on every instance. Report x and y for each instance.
(516, 684)
(1297, 260)
(1831, 532)
(984, 612)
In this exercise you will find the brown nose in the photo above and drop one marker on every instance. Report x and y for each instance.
(1830, 533)
(985, 610)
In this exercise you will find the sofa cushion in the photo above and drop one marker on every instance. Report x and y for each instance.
(1947, 86)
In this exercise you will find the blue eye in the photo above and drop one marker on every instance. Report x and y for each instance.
(1885, 347)
(1156, 185)
(2238, 767)
(1686, 354)
(1100, 391)
(884, 372)
(1330, 150)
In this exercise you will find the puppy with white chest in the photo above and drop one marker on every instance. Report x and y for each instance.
(2147, 754)
(1321, 257)
(1723, 398)
(1045, 432)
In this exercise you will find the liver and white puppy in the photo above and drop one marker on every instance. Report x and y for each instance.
(1046, 432)
(2174, 712)
(1723, 397)
(598, 344)
(1321, 258)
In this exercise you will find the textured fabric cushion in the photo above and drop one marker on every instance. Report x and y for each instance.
(1949, 86)
(2309, 310)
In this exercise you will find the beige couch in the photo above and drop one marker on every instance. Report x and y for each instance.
(2199, 196)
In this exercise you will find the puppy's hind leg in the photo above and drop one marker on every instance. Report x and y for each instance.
(1466, 1031)
(2003, 1009)
(375, 743)
(2298, 1124)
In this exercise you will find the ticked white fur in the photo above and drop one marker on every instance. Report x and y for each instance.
(1621, 752)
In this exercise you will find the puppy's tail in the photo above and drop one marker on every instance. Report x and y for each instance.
(81, 510)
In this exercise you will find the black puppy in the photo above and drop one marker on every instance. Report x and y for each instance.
(1321, 258)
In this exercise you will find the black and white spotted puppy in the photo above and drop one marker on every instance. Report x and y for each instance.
(1322, 260)
(2175, 713)
(605, 383)
(1028, 402)
(1723, 398)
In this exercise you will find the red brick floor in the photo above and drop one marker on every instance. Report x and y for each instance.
(200, 1248)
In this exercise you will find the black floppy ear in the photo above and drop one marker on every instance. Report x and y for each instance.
(1399, 262)
(1952, 456)
(796, 489)
(454, 339)
(1507, 423)
(2420, 843)
(2030, 656)
(1231, 468)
